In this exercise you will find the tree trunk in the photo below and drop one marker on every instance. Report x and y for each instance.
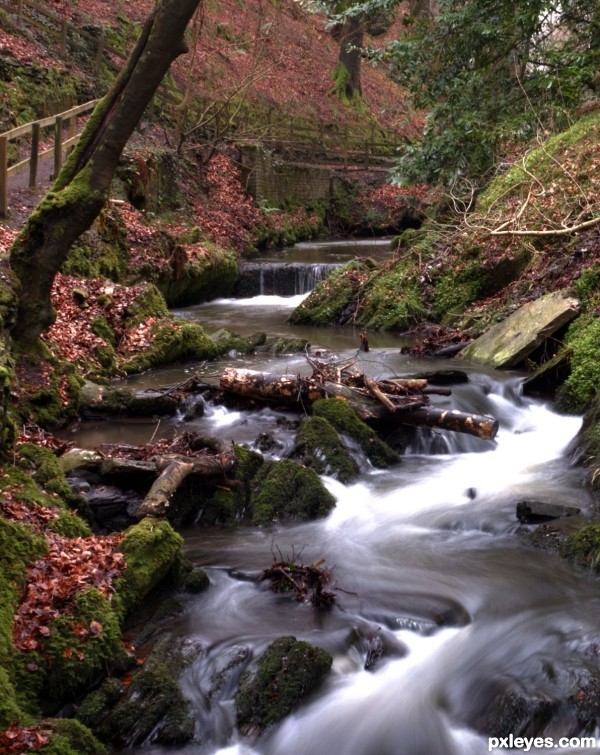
(348, 65)
(81, 188)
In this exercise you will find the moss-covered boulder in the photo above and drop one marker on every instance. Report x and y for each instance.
(345, 420)
(231, 504)
(333, 301)
(71, 657)
(152, 709)
(319, 447)
(171, 341)
(197, 273)
(102, 251)
(286, 672)
(284, 490)
(152, 552)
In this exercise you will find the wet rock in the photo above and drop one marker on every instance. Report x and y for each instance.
(227, 671)
(508, 343)
(319, 447)
(285, 490)
(377, 644)
(535, 512)
(153, 708)
(286, 672)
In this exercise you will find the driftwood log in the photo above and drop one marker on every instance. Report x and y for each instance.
(169, 462)
(407, 401)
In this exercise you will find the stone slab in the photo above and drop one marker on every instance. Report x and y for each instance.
(509, 342)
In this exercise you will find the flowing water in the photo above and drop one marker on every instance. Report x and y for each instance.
(427, 557)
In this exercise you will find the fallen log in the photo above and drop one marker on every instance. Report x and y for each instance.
(405, 401)
(450, 419)
(264, 386)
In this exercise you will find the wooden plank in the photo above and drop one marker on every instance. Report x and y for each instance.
(19, 167)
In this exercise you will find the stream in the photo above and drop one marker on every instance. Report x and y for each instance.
(428, 555)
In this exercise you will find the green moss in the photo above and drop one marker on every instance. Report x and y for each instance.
(152, 552)
(228, 506)
(208, 274)
(70, 661)
(581, 387)
(391, 299)
(195, 581)
(172, 342)
(10, 710)
(153, 704)
(102, 328)
(286, 490)
(327, 302)
(583, 547)
(319, 447)
(287, 671)
(587, 287)
(341, 415)
(580, 139)
(19, 547)
(96, 706)
(45, 469)
(69, 737)
(149, 303)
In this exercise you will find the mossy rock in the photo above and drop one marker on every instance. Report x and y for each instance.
(150, 179)
(102, 251)
(583, 547)
(286, 490)
(172, 342)
(152, 552)
(341, 415)
(226, 506)
(70, 737)
(286, 673)
(153, 708)
(69, 660)
(205, 272)
(226, 341)
(319, 447)
(195, 581)
(98, 704)
(329, 301)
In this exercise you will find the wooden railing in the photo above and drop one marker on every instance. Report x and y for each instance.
(311, 138)
(65, 134)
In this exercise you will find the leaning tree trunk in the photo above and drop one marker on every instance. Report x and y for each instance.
(81, 188)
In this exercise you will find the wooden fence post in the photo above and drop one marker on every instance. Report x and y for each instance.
(58, 126)
(35, 146)
(19, 13)
(3, 176)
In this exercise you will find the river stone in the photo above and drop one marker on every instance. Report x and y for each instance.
(79, 458)
(509, 342)
(287, 671)
(534, 512)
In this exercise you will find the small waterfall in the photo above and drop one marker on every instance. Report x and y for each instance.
(279, 279)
